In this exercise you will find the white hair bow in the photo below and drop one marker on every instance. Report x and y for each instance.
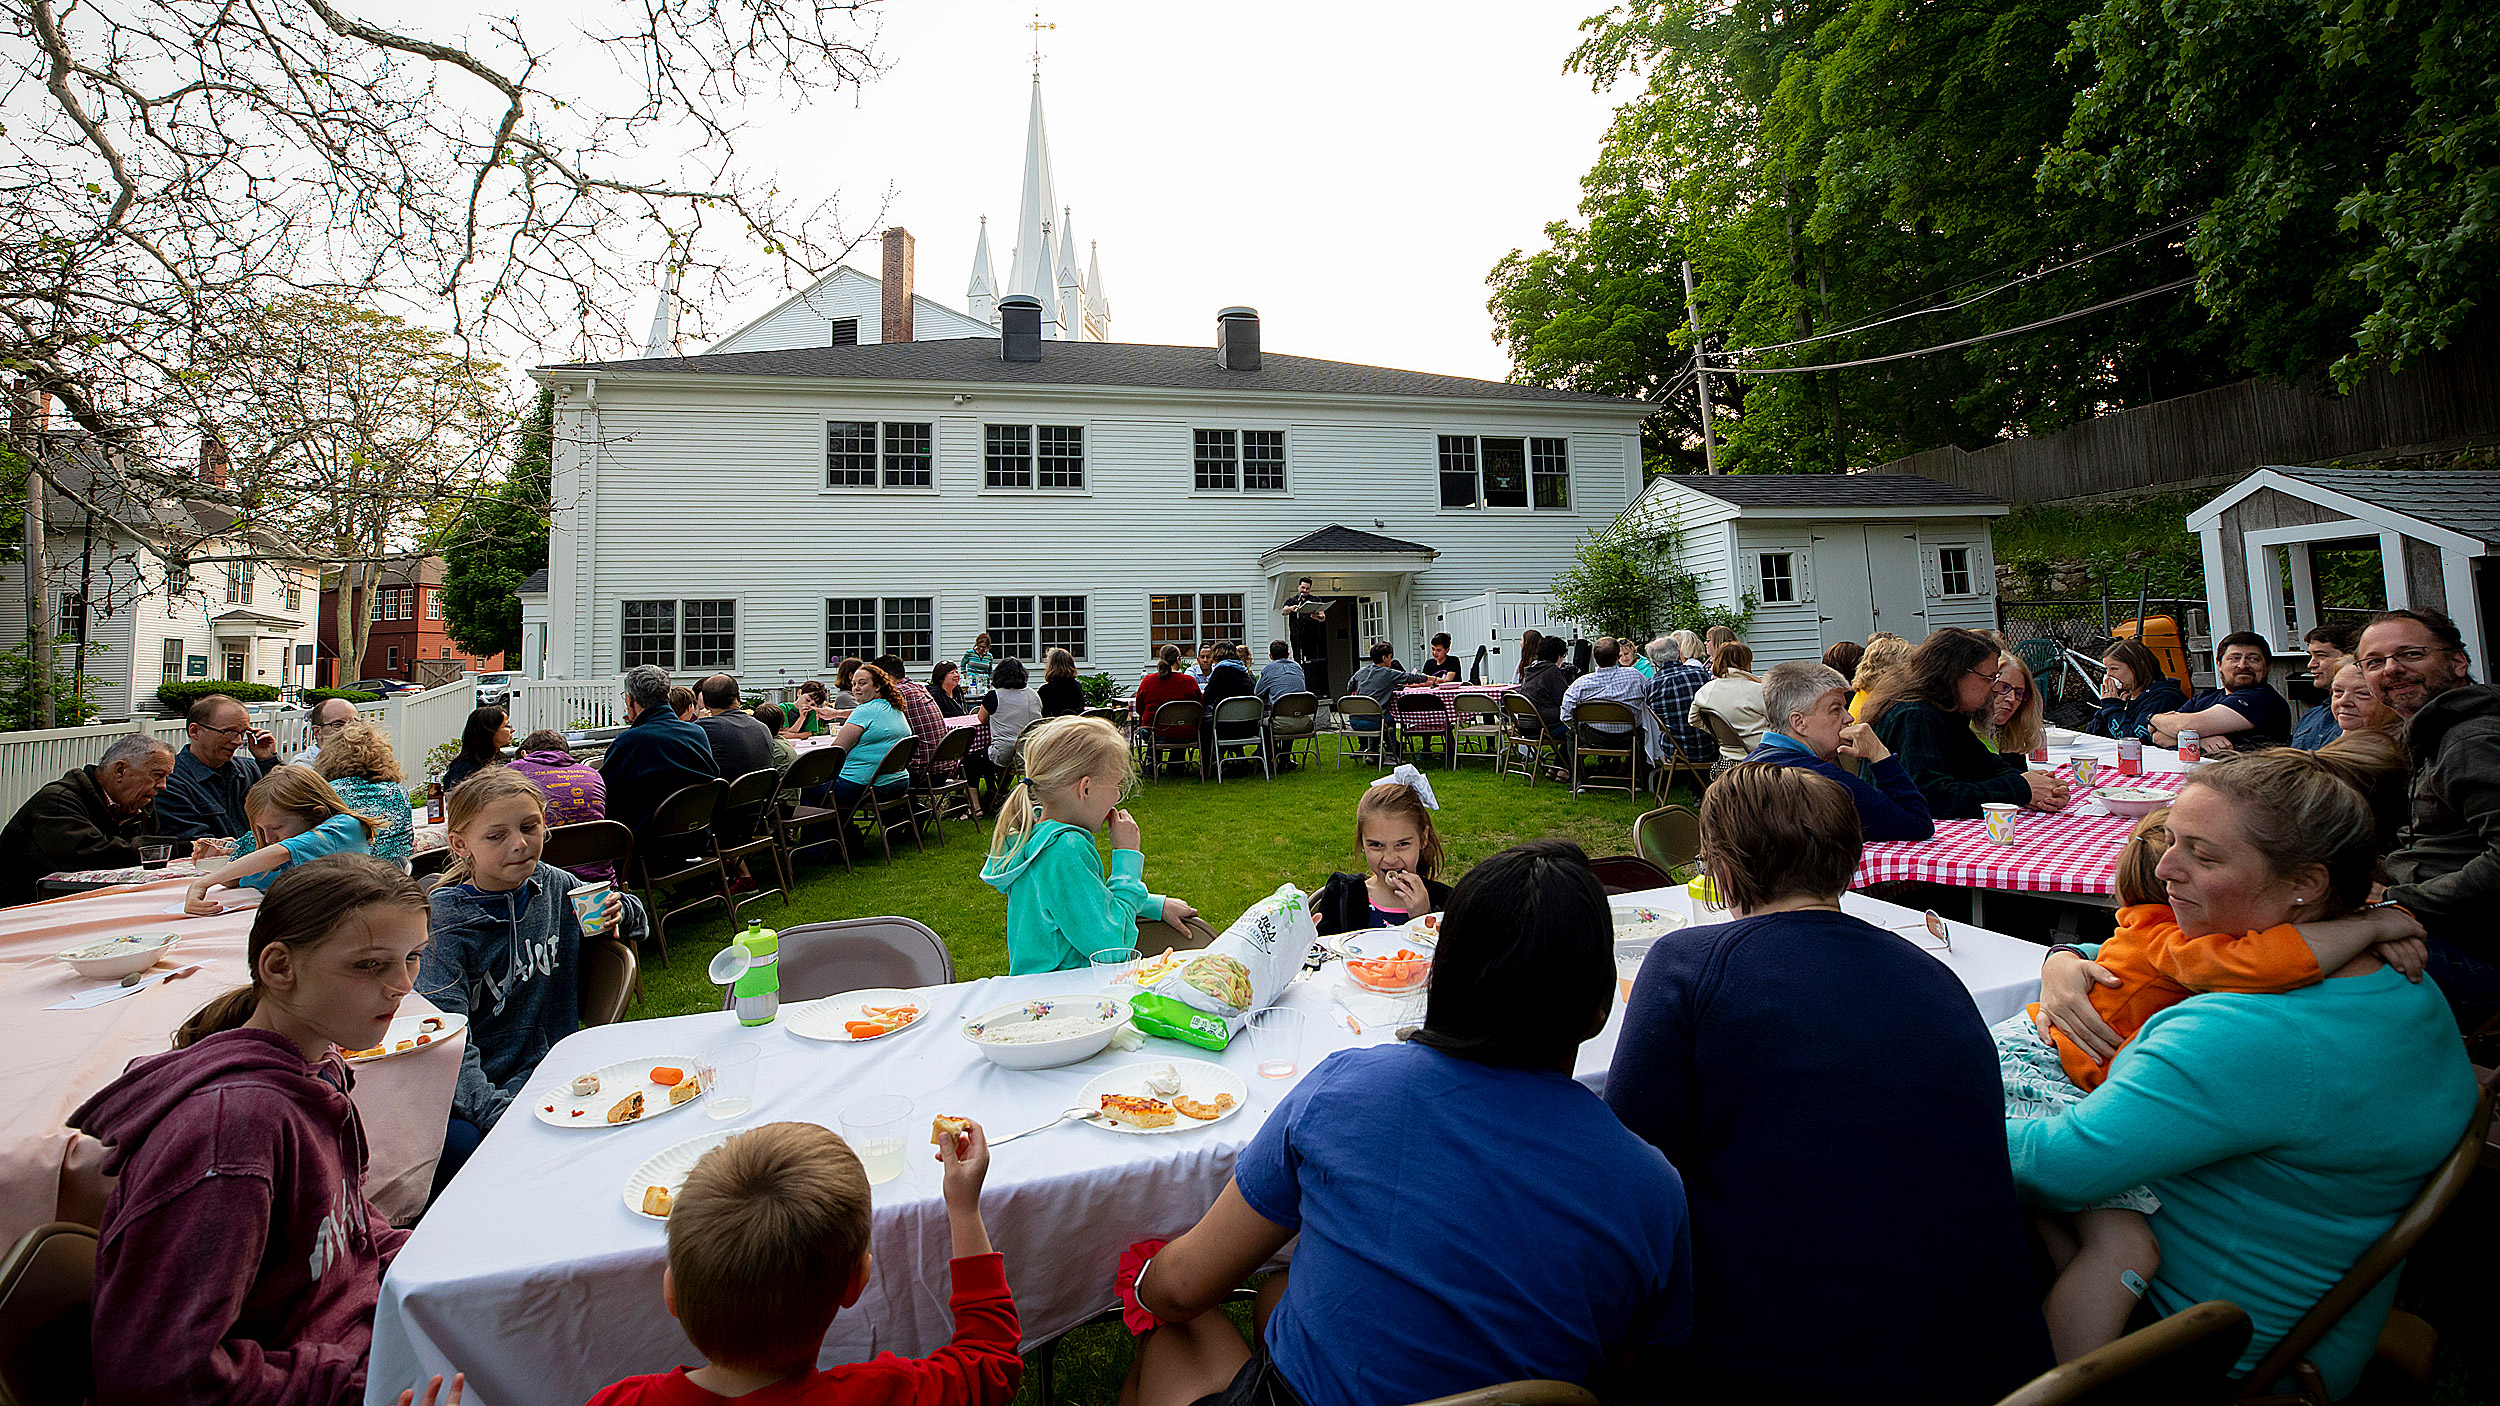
(1413, 780)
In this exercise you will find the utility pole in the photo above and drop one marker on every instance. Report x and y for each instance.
(31, 412)
(1701, 374)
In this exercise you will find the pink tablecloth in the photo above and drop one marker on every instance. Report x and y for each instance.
(1442, 714)
(2070, 851)
(55, 1060)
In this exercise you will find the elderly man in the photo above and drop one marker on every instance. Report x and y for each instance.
(91, 818)
(2445, 868)
(226, 758)
(657, 755)
(2246, 709)
(1671, 690)
(323, 723)
(1611, 681)
(1806, 707)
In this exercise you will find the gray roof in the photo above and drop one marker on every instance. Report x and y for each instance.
(1334, 538)
(1833, 490)
(534, 584)
(2462, 500)
(975, 361)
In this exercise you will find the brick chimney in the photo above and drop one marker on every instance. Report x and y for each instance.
(213, 461)
(894, 315)
(30, 410)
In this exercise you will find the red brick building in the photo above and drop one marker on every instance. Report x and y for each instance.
(407, 628)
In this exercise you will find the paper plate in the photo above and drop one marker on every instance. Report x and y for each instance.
(670, 1169)
(555, 1105)
(824, 1019)
(1200, 1080)
(227, 901)
(409, 1028)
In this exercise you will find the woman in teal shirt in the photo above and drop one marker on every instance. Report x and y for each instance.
(2283, 1134)
(876, 724)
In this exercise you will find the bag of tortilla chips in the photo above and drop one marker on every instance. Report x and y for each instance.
(1209, 997)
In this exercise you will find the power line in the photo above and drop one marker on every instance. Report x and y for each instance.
(1881, 320)
(2170, 287)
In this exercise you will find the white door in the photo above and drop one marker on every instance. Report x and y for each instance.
(1843, 597)
(1900, 587)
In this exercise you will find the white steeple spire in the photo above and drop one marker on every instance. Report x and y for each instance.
(1097, 325)
(1030, 270)
(663, 338)
(981, 295)
(1071, 283)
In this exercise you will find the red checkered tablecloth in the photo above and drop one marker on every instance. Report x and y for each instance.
(1440, 715)
(2070, 851)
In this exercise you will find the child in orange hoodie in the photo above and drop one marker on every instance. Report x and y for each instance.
(2107, 1254)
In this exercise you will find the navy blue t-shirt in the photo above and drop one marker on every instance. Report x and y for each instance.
(2269, 717)
(1461, 1224)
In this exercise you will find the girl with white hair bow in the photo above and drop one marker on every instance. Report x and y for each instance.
(1400, 849)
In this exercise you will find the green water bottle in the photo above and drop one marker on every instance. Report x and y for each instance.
(750, 966)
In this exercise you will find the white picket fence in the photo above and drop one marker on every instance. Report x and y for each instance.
(567, 705)
(415, 722)
(1494, 621)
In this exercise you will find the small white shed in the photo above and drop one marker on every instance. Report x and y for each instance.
(1830, 557)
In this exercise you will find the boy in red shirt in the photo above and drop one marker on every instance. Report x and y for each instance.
(769, 1241)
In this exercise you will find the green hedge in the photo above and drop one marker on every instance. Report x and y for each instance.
(183, 695)
(313, 697)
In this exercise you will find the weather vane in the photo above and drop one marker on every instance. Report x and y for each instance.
(1037, 27)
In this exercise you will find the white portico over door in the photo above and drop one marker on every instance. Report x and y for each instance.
(1368, 580)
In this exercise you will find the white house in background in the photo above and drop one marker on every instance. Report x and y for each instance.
(770, 512)
(532, 593)
(1831, 557)
(249, 619)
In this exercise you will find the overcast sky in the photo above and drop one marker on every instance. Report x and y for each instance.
(1350, 169)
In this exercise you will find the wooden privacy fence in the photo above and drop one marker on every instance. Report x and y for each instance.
(416, 723)
(2451, 398)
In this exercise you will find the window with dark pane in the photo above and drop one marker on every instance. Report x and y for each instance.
(1218, 467)
(851, 454)
(1779, 578)
(845, 332)
(173, 659)
(908, 633)
(1458, 471)
(1007, 456)
(850, 628)
(1505, 473)
(709, 638)
(1263, 461)
(1953, 569)
(1221, 617)
(1010, 623)
(1063, 624)
(1549, 465)
(1063, 456)
(72, 627)
(649, 635)
(908, 457)
(1172, 619)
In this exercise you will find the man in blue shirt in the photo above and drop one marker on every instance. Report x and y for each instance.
(204, 798)
(2245, 709)
(657, 755)
(1280, 677)
(1807, 707)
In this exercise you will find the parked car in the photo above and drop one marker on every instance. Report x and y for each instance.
(493, 689)
(383, 688)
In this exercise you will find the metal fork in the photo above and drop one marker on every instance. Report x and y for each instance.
(1088, 1115)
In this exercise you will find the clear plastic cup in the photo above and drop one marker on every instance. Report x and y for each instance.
(1276, 1042)
(879, 1129)
(1112, 965)
(729, 1089)
(590, 906)
(1629, 954)
(155, 856)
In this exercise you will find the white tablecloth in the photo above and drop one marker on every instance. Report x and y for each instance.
(532, 1276)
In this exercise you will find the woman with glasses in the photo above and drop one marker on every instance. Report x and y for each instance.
(2013, 724)
(1925, 714)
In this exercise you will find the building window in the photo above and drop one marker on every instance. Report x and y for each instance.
(1251, 461)
(1063, 624)
(1458, 471)
(434, 604)
(1009, 620)
(1371, 620)
(708, 637)
(851, 454)
(1779, 578)
(1220, 617)
(235, 668)
(234, 583)
(1505, 472)
(1953, 570)
(908, 456)
(1063, 456)
(1007, 458)
(173, 659)
(1263, 461)
(851, 628)
(234, 664)
(71, 627)
(294, 592)
(649, 634)
(1549, 466)
(1218, 461)
(1172, 620)
(845, 332)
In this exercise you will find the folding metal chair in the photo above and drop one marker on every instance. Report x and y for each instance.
(2185, 1358)
(1669, 837)
(854, 954)
(1370, 744)
(47, 1295)
(1178, 714)
(577, 846)
(1239, 723)
(1420, 722)
(1527, 745)
(1293, 722)
(753, 793)
(678, 828)
(898, 806)
(814, 770)
(1478, 718)
(933, 793)
(1589, 743)
(610, 980)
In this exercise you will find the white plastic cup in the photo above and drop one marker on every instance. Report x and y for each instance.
(590, 906)
(730, 1088)
(878, 1129)
(1629, 954)
(1276, 1042)
(2000, 818)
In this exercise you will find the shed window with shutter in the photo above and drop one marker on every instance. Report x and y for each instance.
(1779, 578)
(1953, 571)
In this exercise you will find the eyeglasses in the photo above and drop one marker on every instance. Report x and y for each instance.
(2410, 658)
(1995, 680)
(237, 733)
(329, 727)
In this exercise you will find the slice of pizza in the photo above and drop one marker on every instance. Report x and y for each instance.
(1192, 1108)
(627, 1108)
(1137, 1112)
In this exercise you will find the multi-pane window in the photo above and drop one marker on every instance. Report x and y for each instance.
(649, 634)
(1006, 459)
(1371, 620)
(852, 628)
(1009, 620)
(1173, 620)
(173, 659)
(294, 591)
(1220, 617)
(234, 668)
(708, 634)
(72, 626)
(851, 459)
(1063, 624)
(434, 604)
(1244, 460)
(1779, 578)
(908, 456)
(1033, 456)
(910, 632)
(1499, 472)
(1953, 570)
(1549, 468)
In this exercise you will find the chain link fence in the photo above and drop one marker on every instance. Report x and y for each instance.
(2084, 624)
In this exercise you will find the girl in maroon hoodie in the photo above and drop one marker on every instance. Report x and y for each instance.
(239, 1261)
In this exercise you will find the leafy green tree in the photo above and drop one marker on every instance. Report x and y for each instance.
(1624, 582)
(494, 542)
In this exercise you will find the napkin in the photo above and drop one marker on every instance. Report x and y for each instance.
(97, 995)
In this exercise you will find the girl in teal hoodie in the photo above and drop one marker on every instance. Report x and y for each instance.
(1060, 908)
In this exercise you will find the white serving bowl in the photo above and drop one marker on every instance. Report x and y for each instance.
(115, 958)
(2133, 802)
(1102, 1017)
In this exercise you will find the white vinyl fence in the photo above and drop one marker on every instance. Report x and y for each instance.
(415, 722)
(567, 705)
(1493, 622)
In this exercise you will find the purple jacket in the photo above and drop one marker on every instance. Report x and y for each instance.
(574, 791)
(239, 1261)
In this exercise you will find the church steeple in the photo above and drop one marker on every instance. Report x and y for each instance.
(981, 295)
(1071, 283)
(663, 338)
(1030, 271)
(1097, 324)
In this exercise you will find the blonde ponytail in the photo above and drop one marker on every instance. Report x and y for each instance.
(307, 904)
(1058, 753)
(469, 800)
